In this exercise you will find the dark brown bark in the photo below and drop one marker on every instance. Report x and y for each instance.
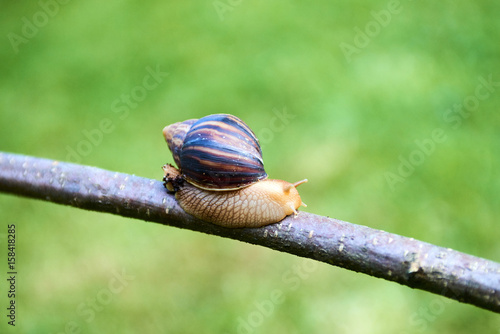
(377, 253)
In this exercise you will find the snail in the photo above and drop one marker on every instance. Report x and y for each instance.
(221, 177)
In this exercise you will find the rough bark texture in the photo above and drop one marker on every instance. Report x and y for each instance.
(377, 253)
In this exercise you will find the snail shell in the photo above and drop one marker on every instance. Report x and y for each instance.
(220, 158)
(216, 152)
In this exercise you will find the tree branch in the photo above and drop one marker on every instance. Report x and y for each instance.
(377, 253)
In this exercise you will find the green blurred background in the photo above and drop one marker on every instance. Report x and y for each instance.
(364, 85)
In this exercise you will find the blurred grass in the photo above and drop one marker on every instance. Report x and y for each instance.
(351, 123)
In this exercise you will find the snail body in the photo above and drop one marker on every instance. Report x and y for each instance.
(221, 177)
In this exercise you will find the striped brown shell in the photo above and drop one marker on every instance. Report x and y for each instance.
(216, 152)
